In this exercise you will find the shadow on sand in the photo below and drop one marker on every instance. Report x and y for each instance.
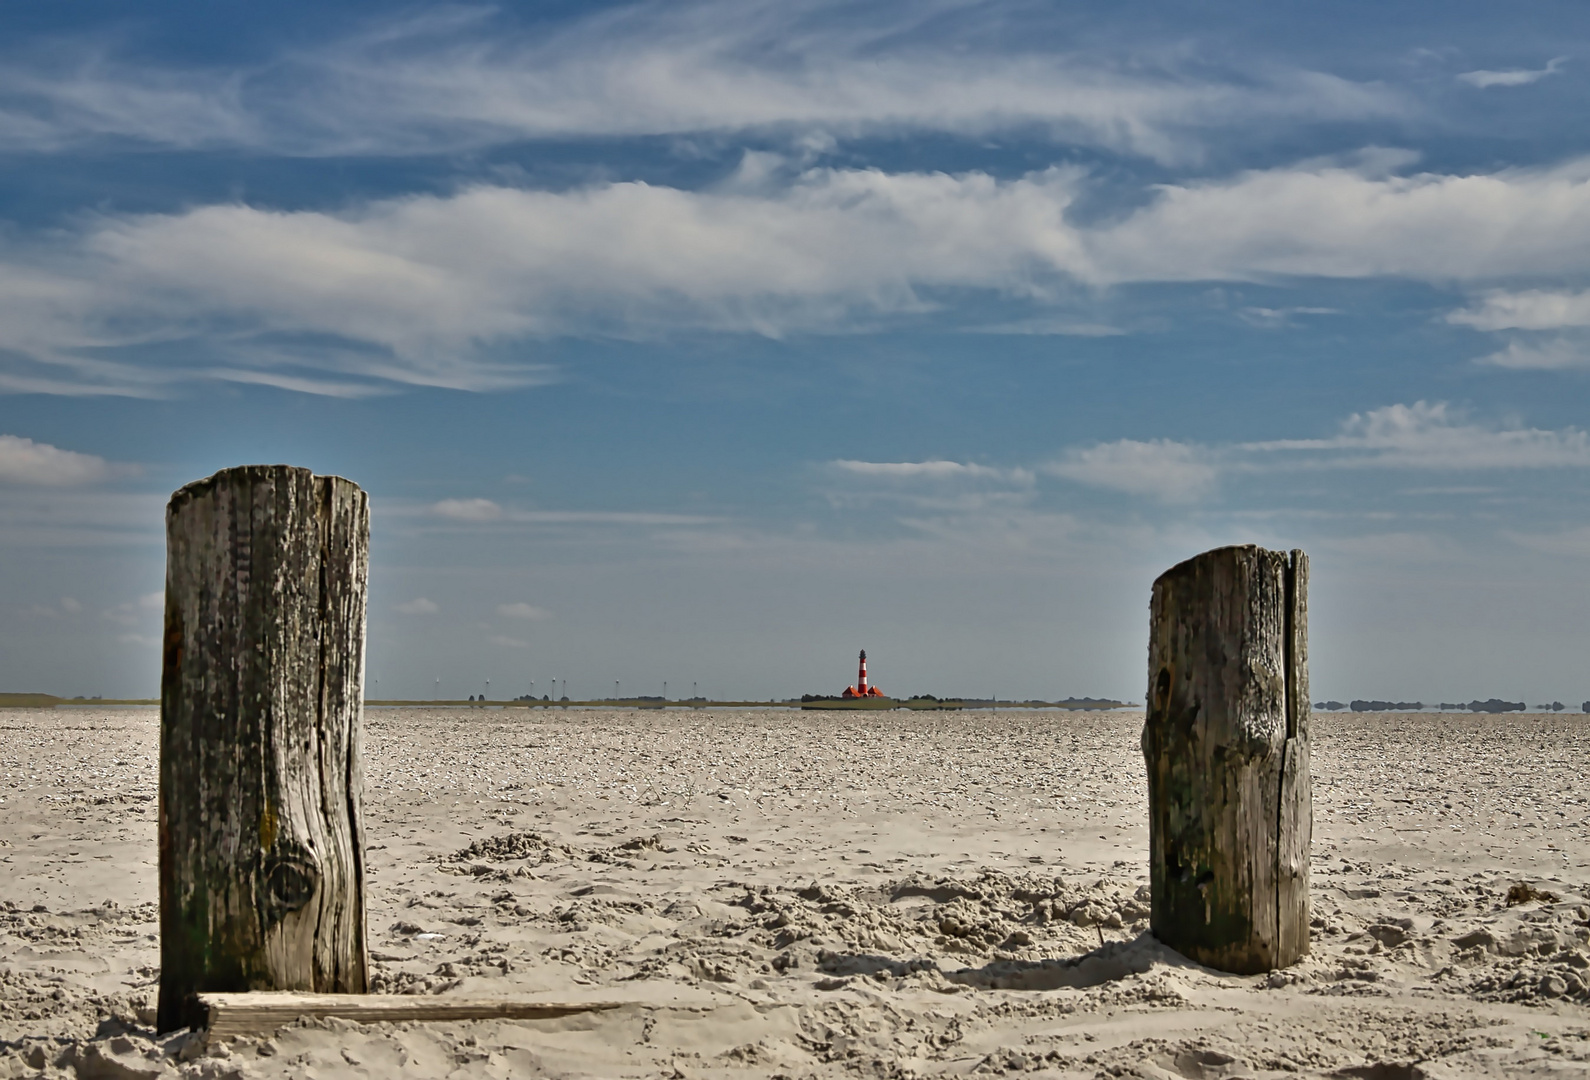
(1114, 960)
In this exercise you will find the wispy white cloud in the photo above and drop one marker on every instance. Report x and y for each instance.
(79, 516)
(1555, 354)
(1159, 468)
(607, 517)
(1434, 436)
(467, 509)
(1421, 436)
(1278, 318)
(1525, 309)
(522, 611)
(1050, 326)
(1573, 542)
(1390, 547)
(66, 606)
(138, 611)
(23, 461)
(466, 78)
(1484, 80)
(418, 606)
(935, 485)
(936, 469)
(481, 511)
(425, 290)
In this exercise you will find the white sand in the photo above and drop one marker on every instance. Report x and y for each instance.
(865, 894)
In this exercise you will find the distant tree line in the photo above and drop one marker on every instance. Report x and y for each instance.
(1493, 705)
(1033, 703)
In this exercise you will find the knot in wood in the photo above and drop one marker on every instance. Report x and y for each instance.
(290, 879)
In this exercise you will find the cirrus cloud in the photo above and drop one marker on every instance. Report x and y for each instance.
(1557, 354)
(462, 79)
(1433, 435)
(1484, 80)
(426, 290)
(936, 469)
(522, 611)
(1423, 436)
(467, 509)
(1160, 468)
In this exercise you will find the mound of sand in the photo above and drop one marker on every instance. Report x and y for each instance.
(857, 894)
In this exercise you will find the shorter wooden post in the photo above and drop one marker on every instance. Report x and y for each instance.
(1226, 744)
(261, 708)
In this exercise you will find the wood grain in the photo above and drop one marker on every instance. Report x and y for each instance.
(226, 1015)
(1226, 745)
(261, 838)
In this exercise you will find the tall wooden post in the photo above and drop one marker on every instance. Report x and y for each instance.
(1226, 742)
(261, 711)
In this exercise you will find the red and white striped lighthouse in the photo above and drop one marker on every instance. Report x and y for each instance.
(861, 679)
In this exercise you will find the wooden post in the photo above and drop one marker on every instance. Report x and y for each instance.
(261, 712)
(1226, 742)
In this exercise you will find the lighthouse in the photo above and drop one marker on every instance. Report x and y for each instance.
(862, 689)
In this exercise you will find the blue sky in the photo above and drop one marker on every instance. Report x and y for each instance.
(711, 342)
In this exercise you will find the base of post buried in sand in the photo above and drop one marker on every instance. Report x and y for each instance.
(262, 1012)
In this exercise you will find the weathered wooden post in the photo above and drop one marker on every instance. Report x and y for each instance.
(261, 711)
(1226, 741)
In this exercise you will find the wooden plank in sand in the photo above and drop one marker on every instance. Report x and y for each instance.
(226, 1015)
(1226, 744)
(261, 837)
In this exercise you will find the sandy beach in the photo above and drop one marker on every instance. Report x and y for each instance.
(881, 894)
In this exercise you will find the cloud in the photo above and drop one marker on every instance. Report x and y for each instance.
(1428, 435)
(1424, 435)
(23, 461)
(1484, 80)
(928, 470)
(508, 642)
(1049, 327)
(1557, 354)
(935, 485)
(58, 518)
(606, 517)
(467, 509)
(465, 79)
(1532, 311)
(1160, 468)
(1573, 542)
(67, 606)
(418, 606)
(427, 290)
(1528, 309)
(1356, 219)
(137, 611)
(419, 290)
(486, 510)
(522, 611)
(1279, 318)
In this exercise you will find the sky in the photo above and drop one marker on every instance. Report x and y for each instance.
(701, 345)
